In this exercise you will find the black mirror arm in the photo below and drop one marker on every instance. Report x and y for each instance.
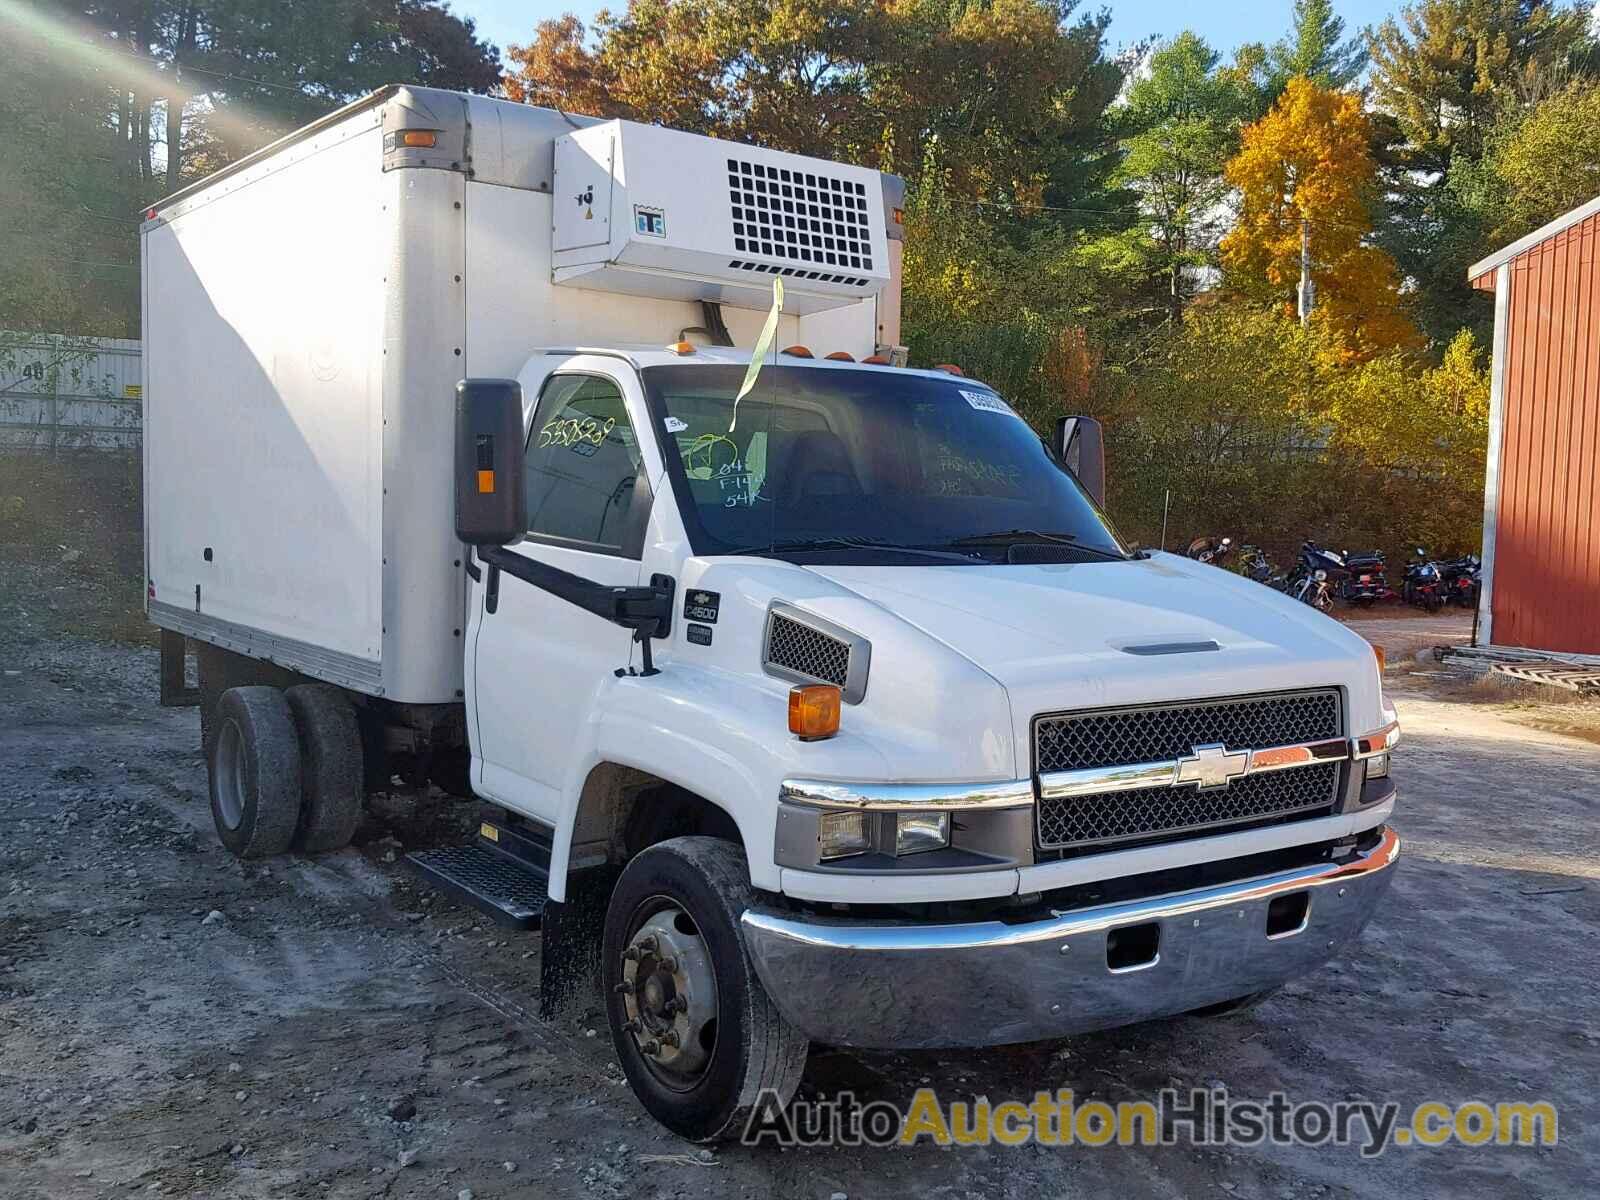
(645, 610)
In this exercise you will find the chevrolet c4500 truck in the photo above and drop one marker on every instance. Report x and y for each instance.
(575, 466)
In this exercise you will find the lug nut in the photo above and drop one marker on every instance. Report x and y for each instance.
(632, 1027)
(669, 964)
(651, 1047)
(624, 988)
(631, 954)
(676, 1005)
(648, 943)
(670, 1037)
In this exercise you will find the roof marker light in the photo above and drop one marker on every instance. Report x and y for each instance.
(797, 352)
(950, 369)
(840, 356)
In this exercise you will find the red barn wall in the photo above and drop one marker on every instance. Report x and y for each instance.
(1546, 589)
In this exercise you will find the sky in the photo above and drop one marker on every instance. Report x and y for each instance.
(1223, 23)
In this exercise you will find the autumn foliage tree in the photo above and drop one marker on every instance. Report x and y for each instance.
(1007, 90)
(1308, 162)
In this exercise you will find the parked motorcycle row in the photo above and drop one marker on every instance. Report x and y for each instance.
(1359, 578)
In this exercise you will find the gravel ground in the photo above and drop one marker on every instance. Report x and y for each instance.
(174, 1022)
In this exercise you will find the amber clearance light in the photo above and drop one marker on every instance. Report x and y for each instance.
(814, 711)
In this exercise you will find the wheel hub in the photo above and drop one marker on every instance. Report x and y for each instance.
(669, 993)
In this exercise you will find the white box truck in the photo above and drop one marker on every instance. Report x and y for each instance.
(810, 697)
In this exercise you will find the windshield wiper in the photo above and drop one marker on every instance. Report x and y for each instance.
(1007, 537)
(850, 543)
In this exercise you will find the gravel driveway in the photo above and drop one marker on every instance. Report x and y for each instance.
(175, 1022)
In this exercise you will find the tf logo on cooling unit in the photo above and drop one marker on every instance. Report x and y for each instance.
(1212, 766)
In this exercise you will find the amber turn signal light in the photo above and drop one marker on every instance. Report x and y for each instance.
(814, 711)
(1382, 657)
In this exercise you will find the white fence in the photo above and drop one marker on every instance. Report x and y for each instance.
(59, 392)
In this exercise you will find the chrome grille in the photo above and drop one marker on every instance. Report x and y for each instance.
(807, 651)
(1125, 737)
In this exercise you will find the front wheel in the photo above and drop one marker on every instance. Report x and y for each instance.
(696, 1033)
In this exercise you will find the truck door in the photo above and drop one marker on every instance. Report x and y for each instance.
(537, 661)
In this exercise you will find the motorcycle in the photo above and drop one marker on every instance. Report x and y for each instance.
(1423, 585)
(1308, 582)
(1461, 579)
(1253, 563)
(1365, 581)
(1211, 550)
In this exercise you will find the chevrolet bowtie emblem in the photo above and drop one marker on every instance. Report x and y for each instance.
(1213, 766)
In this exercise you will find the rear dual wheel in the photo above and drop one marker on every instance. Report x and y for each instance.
(254, 761)
(285, 770)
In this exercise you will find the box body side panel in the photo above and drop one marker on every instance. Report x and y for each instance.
(263, 322)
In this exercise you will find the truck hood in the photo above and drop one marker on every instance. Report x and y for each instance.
(1103, 634)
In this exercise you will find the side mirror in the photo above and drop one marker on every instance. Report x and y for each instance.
(1081, 445)
(491, 505)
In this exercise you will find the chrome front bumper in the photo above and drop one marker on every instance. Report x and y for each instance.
(884, 985)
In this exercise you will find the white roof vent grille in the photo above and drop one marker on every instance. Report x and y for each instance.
(817, 219)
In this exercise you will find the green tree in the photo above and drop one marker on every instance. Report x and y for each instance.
(1317, 49)
(126, 100)
(1180, 125)
(1447, 66)
(67, 244)
(1445, 77)
(1537, 164)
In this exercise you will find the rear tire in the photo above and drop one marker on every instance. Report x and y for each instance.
(331, 768)
(736, 1045)
(254, 768)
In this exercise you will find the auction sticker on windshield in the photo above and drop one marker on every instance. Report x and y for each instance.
(988, 402)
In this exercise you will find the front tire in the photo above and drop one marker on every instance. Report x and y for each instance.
(697, 1035)
(254, 768)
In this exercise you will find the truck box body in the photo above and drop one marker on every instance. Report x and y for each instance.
(308, 312)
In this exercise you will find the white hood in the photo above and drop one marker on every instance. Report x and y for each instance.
(1103, 634)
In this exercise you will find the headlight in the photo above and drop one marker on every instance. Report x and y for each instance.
(916, 832)
(841, 834)
(1378, 766)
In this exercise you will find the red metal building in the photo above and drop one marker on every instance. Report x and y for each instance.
(1541, 517)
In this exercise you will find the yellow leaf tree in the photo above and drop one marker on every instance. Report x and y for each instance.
(1309, 160)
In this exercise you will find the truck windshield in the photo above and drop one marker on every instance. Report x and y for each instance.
(839, 465)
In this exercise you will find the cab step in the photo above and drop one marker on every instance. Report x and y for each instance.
(505, 872)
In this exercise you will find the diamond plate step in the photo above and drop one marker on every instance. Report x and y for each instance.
(508, 889)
